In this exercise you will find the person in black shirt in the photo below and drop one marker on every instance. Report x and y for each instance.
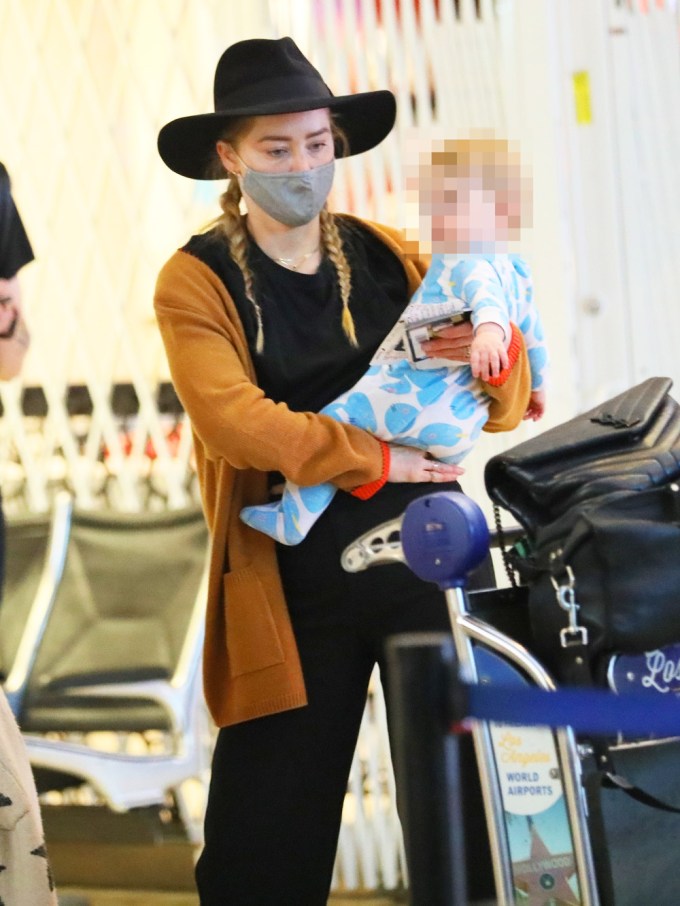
(24, 871)
(15, 252)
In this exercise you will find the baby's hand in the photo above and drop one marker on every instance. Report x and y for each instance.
(488, 355)
(536, 406)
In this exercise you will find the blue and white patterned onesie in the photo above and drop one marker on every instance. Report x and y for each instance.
(433, 404)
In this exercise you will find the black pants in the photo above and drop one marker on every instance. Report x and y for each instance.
(279, 782)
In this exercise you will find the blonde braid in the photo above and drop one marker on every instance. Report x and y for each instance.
(231, 225)
(332, 244)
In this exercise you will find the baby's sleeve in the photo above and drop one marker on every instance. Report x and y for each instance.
(529, 322)
(478, 283)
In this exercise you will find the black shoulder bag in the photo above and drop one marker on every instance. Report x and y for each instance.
(598, 499)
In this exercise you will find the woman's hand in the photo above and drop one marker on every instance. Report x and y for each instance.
(407, 464)
(452, 342)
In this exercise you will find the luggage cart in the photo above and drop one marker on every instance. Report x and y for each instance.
(442, 537)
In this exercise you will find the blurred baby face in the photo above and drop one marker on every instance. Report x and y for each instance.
(472, 195)
(463, 214)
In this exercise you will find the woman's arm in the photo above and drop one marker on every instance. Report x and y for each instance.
(214, 378)
(14, 335)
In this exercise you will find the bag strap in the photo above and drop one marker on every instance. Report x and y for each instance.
(597, 831)
(615, 781)
(574, 655)
(502, 546)
(573, 652)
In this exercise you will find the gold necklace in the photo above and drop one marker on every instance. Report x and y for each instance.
(294, 263)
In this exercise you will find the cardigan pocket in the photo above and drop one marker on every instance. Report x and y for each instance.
(253, 641)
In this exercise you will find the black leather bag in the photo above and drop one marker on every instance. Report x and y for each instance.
(598, 499)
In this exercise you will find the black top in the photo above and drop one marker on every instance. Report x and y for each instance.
(307, 359)
(15, 248)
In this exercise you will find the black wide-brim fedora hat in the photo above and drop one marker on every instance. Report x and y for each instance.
(261, 76)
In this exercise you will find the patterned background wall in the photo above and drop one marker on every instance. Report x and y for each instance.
(86, 84)
(84, 87)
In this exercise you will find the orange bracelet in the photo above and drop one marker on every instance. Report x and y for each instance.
(365, 491)
(513, 353)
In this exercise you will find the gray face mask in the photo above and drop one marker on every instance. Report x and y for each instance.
(290, 198)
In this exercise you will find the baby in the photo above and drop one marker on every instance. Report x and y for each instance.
(470, 193)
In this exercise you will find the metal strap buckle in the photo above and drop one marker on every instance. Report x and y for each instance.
(573, 634)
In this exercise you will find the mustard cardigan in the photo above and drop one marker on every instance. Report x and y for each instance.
(250, 660)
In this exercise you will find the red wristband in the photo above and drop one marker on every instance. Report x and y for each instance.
(513, 353)
(365, 491)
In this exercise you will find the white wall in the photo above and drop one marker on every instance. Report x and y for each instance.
(86, 84)
(605, 247)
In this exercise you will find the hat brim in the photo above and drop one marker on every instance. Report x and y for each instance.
(187, 144)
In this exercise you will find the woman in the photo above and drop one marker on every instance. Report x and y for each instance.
(265, 319)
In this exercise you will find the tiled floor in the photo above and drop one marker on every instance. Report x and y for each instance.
(146, 898)
(88, 847)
